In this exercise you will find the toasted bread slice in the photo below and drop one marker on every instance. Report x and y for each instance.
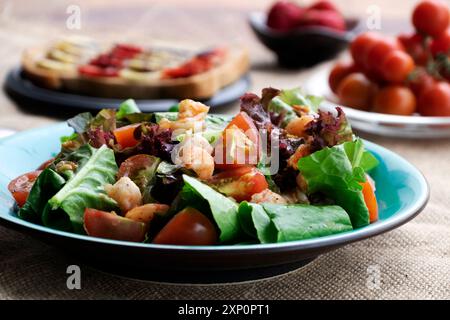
(64, 76)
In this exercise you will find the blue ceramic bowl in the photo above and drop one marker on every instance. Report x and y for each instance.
(402, 193)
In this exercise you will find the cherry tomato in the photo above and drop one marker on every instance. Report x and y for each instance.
(415, 45)
(240, 183)
(435, 101)
(395, 99)
(377, 53)
(420, 81)
(21, 186)
(226, 156)
(125, 136)
(360, 47)
(431, 17)
(396, 66)
(441, 44)
(370, 200)
(356, 91)
(339, 72)
(188, 227)
(108, 225)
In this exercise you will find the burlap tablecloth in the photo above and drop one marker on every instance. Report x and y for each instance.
(412, 261)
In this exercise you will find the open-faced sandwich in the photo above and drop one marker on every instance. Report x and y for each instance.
(81, 65)
(279, 170)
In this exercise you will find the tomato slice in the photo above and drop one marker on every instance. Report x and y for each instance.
(21, 186)
(188, 227)
(240, 183)
(95, 71)
(108, 225)
(125, 136)
(370, 200)
(227, 155)
(46, 164)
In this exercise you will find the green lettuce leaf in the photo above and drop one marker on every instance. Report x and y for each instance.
(127, 107)
(358, 156)
(337, 173)
(223, 209)
(84, 190)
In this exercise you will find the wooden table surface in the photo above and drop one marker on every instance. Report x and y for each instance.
(26, 23)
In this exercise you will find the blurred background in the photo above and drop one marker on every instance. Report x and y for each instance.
(26, 23)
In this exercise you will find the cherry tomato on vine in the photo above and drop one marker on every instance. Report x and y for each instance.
(395, 99)
(339, 72)
(435, 101)
(356, 91)
(431, 17)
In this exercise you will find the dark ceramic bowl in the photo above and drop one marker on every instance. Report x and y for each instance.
(304, 46)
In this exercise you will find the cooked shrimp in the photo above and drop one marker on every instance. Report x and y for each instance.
(197, 159)
(297, 126)
(126, 193)
(190, 108)
(268, 196)
(146, 212)
(191, 116)
(197, 140)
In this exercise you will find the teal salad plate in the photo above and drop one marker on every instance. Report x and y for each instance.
(401, 190)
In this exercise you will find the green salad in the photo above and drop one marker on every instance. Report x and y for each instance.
(279, 170)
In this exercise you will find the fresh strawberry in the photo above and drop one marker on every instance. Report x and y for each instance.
(283, 15)
(323, 5)
(324, 18)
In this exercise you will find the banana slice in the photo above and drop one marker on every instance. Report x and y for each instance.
(62, 56)
(76, 45)
(56, 65)
(139, 76)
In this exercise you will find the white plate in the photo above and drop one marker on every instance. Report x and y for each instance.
(378, 123)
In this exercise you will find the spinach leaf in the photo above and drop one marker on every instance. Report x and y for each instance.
(46, 186)
(223, 209)
(85, 189)
(330, 171)
(300, 221)
(256, 222)
(127, 107)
